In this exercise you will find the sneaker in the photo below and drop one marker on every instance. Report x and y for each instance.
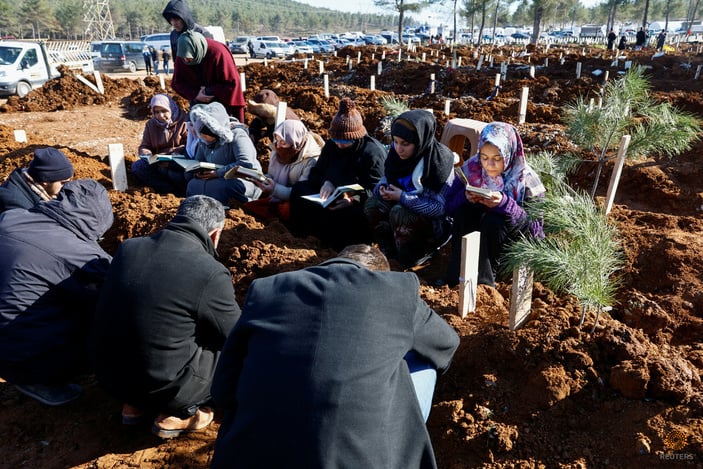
(169, 426)
(131, 415)
(53, 395)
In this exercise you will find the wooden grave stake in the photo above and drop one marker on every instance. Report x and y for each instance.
(447, 104)
(162, 83)
(243, 80)
(468, 279)
(379, 69)
(281, 112)
(372, 84)
(617, 171)
(432, 83)
(99, 82)
(523, 105)
(322, 67)
(20, 136)
(520, 297)
(326, 84)
(118, 170)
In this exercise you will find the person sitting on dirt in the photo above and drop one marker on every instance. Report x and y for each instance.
(51, 270)
(224, 141)
(331, 364)
(204, 71)
(158, 332)
(295, 152)
(352, 156)
(263, 107)
(180, 17)
(41, 181)
(165, 133)
(622, 45)
(499, 165)
(407, 211)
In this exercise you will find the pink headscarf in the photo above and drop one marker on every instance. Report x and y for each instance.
(165, 101)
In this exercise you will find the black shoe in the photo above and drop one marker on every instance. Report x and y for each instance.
(52, 395)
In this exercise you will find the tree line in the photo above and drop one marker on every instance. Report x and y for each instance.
(64, 19)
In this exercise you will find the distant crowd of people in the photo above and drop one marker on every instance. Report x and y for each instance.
(317, 367)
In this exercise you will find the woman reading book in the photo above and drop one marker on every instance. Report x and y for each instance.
(224, 142)
(164, 133)
(350, 157)
(499, 165)
(295, 151)
(407, 210)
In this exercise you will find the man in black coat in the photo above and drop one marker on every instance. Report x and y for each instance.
(41, 181)
(162, 319)
(51, 270)
(316, 372)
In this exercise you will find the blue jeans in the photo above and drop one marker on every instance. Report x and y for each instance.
(424, 377)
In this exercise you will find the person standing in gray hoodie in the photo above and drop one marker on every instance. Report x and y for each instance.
(178, 14)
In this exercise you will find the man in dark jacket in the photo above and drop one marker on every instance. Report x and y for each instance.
(314, 376)
(351, 156)
(42, 180)
(51, 269)
(178, 14)
(162, 319)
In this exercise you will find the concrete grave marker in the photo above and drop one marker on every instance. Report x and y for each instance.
(118, 170)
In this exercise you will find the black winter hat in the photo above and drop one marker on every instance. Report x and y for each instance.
(347, 124)
(49, 165)
(405, 129)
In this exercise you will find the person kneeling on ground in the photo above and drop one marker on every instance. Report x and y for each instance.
(499, 165)
(159, 330)
(408, 209)
(41, 181)
(352, 156)
(165, 133)
(330, 365)
(264, 108)
(295, 152)
(51, 270)
(225, 142)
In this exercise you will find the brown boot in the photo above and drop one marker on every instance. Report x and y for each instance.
(131, 415)
(169, 426)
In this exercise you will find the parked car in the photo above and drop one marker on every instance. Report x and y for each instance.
(121, 55)
(157, 40)
(375, 40)
(302, 47)
(411, 39)
(520, 36)
(240, 44)
(324, 46)
(271, 49)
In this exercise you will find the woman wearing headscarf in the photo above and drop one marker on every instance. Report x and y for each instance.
(224, 141)
(295, 152)
(407, 211)
(204, 71)
(165, 133)
(499, 165)
(351, 156)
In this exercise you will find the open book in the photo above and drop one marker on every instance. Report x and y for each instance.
(483, 192)
(249, 174)
(151, 159)
(195, 165)
(338, 192)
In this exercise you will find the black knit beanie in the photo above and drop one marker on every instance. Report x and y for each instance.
(347, 123)
(49, 165)
(406, 130)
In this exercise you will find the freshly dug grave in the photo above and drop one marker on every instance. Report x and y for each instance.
(547, 395)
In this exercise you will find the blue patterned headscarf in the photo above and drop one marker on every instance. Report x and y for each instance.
(516, 177)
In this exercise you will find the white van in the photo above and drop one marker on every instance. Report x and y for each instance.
(23, 67)
(158, 41)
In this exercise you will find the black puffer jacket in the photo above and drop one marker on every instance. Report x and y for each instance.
(16, 193)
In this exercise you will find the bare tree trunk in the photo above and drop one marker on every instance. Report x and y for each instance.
(495, 20)
(401, 16)
(644, 16)
(539, 11)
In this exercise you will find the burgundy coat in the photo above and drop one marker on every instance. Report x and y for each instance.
(217, 72)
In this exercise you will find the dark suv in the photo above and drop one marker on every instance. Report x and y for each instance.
(120, 55)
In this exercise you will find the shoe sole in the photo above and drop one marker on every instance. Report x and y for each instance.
(168, 434)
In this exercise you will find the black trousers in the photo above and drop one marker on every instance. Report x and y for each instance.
(496, 230)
